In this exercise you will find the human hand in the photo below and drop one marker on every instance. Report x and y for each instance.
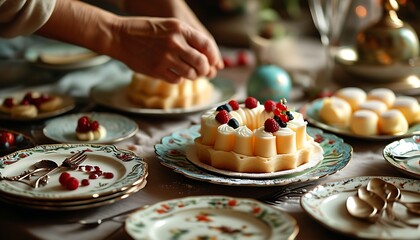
(165, 48)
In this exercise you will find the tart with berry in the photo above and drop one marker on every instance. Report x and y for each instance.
(89, 129)
(255, 138)
(30, 105)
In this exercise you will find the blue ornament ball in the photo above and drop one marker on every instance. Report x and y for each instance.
(269, 82)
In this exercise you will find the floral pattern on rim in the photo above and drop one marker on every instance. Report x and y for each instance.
(171, 152)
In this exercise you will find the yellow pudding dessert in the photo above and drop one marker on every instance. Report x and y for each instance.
(364, 122)
(382, 94)
(254, 138)
(335, 111)
(392, 122)
(354, 96)
(148, 92)
(409, 107)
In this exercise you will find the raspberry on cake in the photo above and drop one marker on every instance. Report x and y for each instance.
(148, 92)
(88, 129)
(255, 138)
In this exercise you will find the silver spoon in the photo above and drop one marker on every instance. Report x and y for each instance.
(391, 194)
(361, 209)
(40, 166)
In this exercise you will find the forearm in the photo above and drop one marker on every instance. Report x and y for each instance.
(81, 24)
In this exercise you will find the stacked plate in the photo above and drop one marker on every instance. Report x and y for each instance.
(127, 174)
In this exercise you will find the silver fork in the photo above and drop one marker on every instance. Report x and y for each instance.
(71, 162)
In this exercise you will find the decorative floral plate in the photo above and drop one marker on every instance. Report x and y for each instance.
(171, 152)
(112, 95)
(409, 166)
(326, 203)
(211, 217)
(127, 168)
(118, 127)
(311, 114)
(67, 105)
(191, 155)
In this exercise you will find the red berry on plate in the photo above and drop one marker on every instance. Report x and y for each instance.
(242, 58)
(7, 137)
(223, 117)
(85, 182)
(94, 125)
(269, 105)
(228, 62)
(271, 125)
(108, 175)
(64, 177)
(93, 176)
(72, 183)
(251, 102)
(9, 102)
(234, 105)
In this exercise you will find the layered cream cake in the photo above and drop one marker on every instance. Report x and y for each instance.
(381, 112)
(254, 138)
(148, 92)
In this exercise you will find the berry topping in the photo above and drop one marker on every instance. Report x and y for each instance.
(7, 138)
(108, 175)
(290, 115)
(271, 125)
(233, 123)
(251, 102)
(228, 62)
(242, 58)
(269, 105)
(280, 122)
(85, 124)
(9, 102)
(234, 104)
(222, 117)
(281, 106)
(226, 107)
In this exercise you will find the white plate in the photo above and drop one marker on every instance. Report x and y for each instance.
(73, 205)
(128, 169)
(191, 155)
(409, 166)
(211, 217)
(67, 105)
(326, 203)
(311, 111)
(62, 129)
(112, 95)
(171, 152)
(66, 52)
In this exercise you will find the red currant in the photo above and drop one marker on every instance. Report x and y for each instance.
(281, 106)
(85, 182)
(7, 137)
(72, 183)
(108, 175)
(242, 58)
(93, 176)
(228, 62)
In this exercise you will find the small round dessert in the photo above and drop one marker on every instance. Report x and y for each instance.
(353, 95)
(382, 94)
(88, 129)
(392, 122)
(364, 122)
(409, 107)
(335, 111)
(374, 105)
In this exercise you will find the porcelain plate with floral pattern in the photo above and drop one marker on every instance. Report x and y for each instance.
(172, 152)
(211, 217)
(311, 114)
(118, 127)
(408, 166)
(127, 168)
(326, 203)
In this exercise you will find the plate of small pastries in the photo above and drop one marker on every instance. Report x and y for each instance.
(377, 114)
(63, 56)
(150, 96)
(34, 105)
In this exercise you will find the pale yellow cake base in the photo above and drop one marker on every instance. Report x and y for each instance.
(232, 161)
(147, 92)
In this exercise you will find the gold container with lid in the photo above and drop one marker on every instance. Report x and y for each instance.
(388, 41)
